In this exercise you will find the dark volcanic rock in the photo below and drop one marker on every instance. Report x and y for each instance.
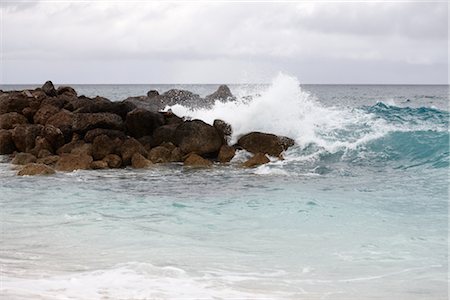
(153, 104)
(256, 160)
(11, 120)
(129, 148)
(113, 160)
(226, 154)
(195, 160)
(62, 120)
(83, 122)
(49, 89)
(152, 93)
(54, 136)
(197, 136)
(138, 161)
(141, 122)
(6, 142)
(66, 91)
(164, 133)
(258, 142)
(111, 133)
(160, 154)
(224, 129)
(22, 158)
(223, 93)
(35, 169)
(24, 136)
(40, 144)
(13, 102)
(171, 118)
(102, 146)
(44, 113)
(48, 160)
(70, 162)
(99, 165)
(175, 96)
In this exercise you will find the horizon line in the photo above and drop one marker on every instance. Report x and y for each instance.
(248, 83)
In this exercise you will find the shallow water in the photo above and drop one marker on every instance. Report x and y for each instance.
(357, 210)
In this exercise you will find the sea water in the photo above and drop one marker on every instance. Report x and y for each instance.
(358, 209)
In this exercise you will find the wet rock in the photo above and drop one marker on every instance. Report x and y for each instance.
(69, 162)
(49, 89)
(224, 129)
(67, 148)
(197, 136)
(129, 148)
(194, 160)
(6, 142)
(40, 144)
(113, 161)
(48, 160)
(153, 104)
(171, 118)
(111, 133)
(24, 136)
(152, 93)
(13, 102)
(62, 120)
(54, 136)
(176, 155)
(35, 169)
(11, 120)
(44, 113)
(83, 149)
(102, 146)
(44, 153)
(66, 91)
(175, 96)
(138, 161)
(22, 158)
(99, 165)
(258, 142)
(165, 133)
(160, 155)
(223, 94)
(226, 154)
(141, 122)
(257, 160)
(83, 122)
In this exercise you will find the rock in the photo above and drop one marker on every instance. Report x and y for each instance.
(23, 158)
(96, 105)
(175, 96)
(44, 113)
(113, 160)
(49, 89)
(35, 169)
(141, 122)
(153, 104)
(69, 162)
(195, 160)
(122, 108)
(224, 129)
(83, 122)
(256, 160)
(6, 142)
(62, 120)
(129, 148)
(11, 120)
(258, 142)
(152, 93)
(54, 136)
(139, 162)
(54, 101)
(223, 94)
(226, 154)
(111, 133)
(44, 153)
(99, 165)
(197, 136)
(83, 149)
(76, 104)
(41, 143)
(160, 155)
(67, 91)
(168, 145)
(13, 102)
(171, 118)
(48, 160)
(164, 133)
(102, 146)
(67, 148)
(176, 155)
(24, 136)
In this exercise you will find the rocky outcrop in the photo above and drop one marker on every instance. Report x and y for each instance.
(6, 142)
(223, 94)
(113, 161)
(160, 154)
(129, 148)
(54, 136)
(23, 158)
(226, 154)
(70, 162)
(111, 133)
(165, 133)
(224, 129)
(198, 137)
(194, 160)
(24, 136)
(35, 169)
(11, 120)
(44, 113)
(257, 160)
(138, 161)
(99, 165)
(49, 89)
(141, 122)
(102, 146)
(258, 142)
(83, 122)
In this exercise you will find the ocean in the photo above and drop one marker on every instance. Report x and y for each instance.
(358, 209)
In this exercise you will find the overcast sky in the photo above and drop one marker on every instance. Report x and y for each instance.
(223, 42)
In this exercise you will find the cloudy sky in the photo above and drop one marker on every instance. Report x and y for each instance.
(223, 42)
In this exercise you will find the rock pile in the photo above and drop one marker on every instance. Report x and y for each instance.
(49, 129)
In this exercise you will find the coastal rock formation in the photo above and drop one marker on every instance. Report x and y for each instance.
(138, 161)
(24, 136)
(257, 160)
(226, 154)
(198, 137)
(83, 122)
(258, 142)
(49, 89)
(141, 122)
(6, 142)
(11, 120)
(22, 158)
(70, 162)
(223, 94)
(194, 160)
(36, 169)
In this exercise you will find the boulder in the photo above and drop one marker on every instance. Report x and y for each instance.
(24, 136)
(176, 155)
(102, 146)
(153, 104)
(175, 96)
(226, 153)
(44, 113)
(13, 102)
(164, 133)
(54, 136)
(83, 122)
(258, 142)
(111, 133)
(62, 120)
(69, 162)
(83, 149)
(171, 118)
(44, 153)
(35, 169)
(140, 162)
(67, 148)
(48, 160)
(6, 142)
(141, 122)
(224, 129)
(40, 144)
(49, 89)
(11, 120)
(66, 91)
(129, 148)
(22, 158)
(160, 155)
(194, 160)
(152, 93)
(197, 136)
(99, 165)
(223, 94)
(113, 160)
(256, 160)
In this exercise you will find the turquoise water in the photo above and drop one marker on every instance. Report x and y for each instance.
(357, 210)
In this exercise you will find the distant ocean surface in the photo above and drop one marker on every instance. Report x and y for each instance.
(357, 210)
